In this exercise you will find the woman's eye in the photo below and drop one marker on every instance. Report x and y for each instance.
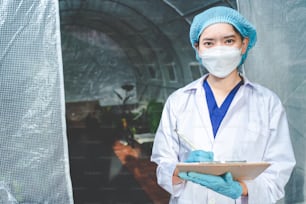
(229, 41)
(207, 44)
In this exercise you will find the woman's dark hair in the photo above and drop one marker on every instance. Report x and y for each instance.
(237, 31)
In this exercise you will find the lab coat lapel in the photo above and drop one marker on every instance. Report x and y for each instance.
(202, 110)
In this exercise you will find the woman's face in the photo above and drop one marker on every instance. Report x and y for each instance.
(221, 34)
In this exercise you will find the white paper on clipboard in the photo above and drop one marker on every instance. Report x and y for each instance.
(239, 170)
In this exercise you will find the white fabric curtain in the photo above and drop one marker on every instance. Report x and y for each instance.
(34, 164)
(278, 61)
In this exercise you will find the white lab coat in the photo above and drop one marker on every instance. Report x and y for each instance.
(255, 128)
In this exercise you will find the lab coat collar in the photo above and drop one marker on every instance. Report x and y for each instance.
(198, 84)
(247, 82)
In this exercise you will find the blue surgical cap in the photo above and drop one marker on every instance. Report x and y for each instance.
(221, 14)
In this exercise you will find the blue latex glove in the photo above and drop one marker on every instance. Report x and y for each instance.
(200, 156)
(224, 184)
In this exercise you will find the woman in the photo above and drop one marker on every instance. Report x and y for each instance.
(224, 117)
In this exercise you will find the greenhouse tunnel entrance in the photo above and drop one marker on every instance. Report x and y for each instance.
(121, 60)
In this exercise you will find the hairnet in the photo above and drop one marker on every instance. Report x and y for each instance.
(222, 14)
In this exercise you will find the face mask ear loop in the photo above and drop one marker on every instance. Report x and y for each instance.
(241, 70)
(241, 66)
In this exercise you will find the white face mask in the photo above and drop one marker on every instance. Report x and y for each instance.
(220, 61)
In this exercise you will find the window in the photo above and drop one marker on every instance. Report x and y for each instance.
(152, 71)
(171, 71)
(196, 70)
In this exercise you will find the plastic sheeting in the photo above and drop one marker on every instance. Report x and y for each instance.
(96, 68)
(278, 61)
(34, 165)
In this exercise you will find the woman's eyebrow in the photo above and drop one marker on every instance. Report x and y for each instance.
(208, 39)
(230, 36)
(224, 37)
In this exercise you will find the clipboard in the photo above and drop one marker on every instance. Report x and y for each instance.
(239, 170)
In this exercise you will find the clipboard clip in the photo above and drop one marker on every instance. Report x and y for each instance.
(229, 161)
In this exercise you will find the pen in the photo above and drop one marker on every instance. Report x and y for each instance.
(193, 147)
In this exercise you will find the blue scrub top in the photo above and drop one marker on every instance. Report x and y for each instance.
(217, 114)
